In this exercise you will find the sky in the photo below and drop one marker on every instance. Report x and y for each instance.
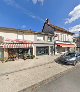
(31, 14)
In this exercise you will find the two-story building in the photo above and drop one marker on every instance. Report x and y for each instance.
(63, 39)
(18, 42)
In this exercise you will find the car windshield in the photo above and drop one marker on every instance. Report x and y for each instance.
(70, 54)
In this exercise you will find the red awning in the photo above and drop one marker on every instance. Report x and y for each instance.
(11, 45)
(66, 45)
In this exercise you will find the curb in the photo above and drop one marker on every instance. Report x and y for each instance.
(32, 88)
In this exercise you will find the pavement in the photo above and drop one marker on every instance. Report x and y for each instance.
(20, 65)
(69, 82)
(18, 75)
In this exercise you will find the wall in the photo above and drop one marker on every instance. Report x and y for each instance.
(8, 34)
(29, 37)
(16, 35)
(43, 39)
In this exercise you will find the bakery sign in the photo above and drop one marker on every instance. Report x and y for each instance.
(1, 39)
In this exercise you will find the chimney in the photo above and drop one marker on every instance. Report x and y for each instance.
(47, 21)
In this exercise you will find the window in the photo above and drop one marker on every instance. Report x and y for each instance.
(49, 39)
(40, 37)
(20, 36)
(42, 51)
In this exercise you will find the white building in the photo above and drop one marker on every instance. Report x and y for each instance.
(63, 38)
(19, 41)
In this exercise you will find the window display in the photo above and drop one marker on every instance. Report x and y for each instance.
(42, 50)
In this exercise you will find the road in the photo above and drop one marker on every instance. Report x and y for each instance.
(70, 82)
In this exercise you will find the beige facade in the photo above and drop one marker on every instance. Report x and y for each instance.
(41, 41)
(8, 34)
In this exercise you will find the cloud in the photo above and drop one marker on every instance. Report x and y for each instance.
(75, 28)
(38, 1)
(25, 11)
(77, 34)
(74, 15)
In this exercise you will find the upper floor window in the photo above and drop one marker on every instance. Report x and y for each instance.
(49, 39)
(40, 37)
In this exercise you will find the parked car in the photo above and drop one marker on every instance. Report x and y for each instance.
(70, 58)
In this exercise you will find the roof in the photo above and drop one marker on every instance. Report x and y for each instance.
(56, 27)
(26, 31)
(13, 29)
(42, 33)
(60, 29)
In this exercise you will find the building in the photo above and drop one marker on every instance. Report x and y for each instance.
(63, 40)
(17, 42)
(77, 41)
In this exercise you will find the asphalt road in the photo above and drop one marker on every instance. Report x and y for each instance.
(70, 82)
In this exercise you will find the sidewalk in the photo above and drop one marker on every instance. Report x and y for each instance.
(19, 65)
(27, 76)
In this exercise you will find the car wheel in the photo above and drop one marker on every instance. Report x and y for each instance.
(74, 63)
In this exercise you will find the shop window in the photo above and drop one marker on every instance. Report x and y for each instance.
(42, 50)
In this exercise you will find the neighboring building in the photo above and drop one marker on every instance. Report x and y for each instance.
(63, 38)
(77, 41)
(18, 42)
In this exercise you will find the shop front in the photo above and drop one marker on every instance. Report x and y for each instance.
(60, 48)
(19, 53)
(17, 50)
(44, 50)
